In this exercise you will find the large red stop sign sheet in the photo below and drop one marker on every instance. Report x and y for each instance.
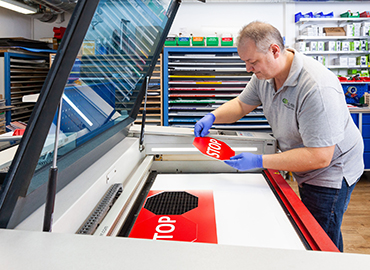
(213, 148)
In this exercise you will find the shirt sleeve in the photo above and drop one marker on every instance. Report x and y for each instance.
(250, 93)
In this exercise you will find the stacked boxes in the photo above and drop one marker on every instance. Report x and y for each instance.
(362, 61)
(312, 31)
(357, 29)
(365, 29)
(331, 46)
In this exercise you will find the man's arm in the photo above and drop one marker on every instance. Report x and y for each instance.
(232, 111)
(228, 112)
(300, 159)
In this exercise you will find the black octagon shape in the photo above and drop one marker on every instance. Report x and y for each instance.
(171, 203)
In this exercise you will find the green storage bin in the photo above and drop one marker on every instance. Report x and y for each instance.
(170, 41)
(349, 14)
(227, 41)
(183, 41)
(198, 41)
(212, 41)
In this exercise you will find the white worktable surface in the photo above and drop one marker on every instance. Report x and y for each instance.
(38, 250)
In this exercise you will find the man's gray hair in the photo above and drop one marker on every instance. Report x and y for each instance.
(263, 34)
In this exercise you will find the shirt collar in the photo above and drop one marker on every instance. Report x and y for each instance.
(295, 70)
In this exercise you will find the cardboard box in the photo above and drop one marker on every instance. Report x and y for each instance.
(351, 61)
(321, 59)
(338, 45)
(330, 45)
(320, 45)
(363, 45)
(361, 61)
(313, 46)
(364, 31)
(354, 45)
(341, 61)
(345, 46)
(301, 46)
(349, 30)
(334, 31)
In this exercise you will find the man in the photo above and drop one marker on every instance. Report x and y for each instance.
(305, 106)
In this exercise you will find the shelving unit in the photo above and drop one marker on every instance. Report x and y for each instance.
(331, 55)
(338, 20)
(154, 115)
(22, 74)
(197, 80)
(361, 117)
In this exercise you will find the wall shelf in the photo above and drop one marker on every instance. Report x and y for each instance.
(23, 74)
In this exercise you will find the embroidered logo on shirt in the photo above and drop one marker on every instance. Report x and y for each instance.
(288, 104)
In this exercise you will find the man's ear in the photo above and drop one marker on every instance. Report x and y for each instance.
(275, 49)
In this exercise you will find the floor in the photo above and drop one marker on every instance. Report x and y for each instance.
(356, 221)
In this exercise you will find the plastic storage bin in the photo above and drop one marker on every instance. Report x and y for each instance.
(183, 41)
(227, 40)
(365, 14)
(350, 14)
(171, 40)
(212, 41)
(198, 41)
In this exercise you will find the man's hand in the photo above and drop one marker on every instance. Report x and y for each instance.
(203, 125)
(245, 161)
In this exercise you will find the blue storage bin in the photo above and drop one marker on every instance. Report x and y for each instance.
(355, 118)
(367, 160)
(366, 118)
(365, 131)
(299, 15)
(329, 15)
(318, 15)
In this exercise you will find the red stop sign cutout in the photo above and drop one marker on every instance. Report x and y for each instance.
(173, 227)
(213, 148)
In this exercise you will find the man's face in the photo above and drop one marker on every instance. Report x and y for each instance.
(261, 64)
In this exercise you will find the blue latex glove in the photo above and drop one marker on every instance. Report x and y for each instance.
(245, 161)
(203, 125)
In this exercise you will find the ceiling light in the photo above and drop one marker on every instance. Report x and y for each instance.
(17, 6)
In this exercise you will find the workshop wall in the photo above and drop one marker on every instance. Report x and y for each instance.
(199, 18)
(205, 19)
(13, 24)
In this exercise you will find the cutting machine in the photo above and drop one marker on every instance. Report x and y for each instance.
(82, 167)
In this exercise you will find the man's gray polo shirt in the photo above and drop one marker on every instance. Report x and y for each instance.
(310, 110)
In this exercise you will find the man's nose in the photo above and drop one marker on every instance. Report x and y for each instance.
(249, 67)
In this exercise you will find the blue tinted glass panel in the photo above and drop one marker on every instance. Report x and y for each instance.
(108, 74)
